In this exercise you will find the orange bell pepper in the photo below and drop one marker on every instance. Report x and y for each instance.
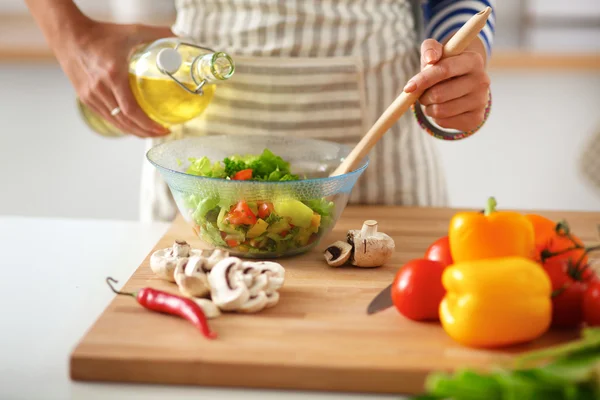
(476, 236)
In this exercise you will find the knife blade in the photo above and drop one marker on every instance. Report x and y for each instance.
(381, 302)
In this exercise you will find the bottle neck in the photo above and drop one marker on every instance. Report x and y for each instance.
(212, 68)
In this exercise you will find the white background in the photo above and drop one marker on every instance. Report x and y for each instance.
(526, 155)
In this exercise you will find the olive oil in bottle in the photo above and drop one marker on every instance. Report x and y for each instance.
(172, 82)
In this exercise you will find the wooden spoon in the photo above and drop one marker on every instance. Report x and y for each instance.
(456, 45)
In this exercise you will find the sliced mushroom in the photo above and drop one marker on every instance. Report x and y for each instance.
(164, 261)
(255, 303)
(371, 248)
(275, 273)
(213, 257)
(272, 299)
(228, 290)
(250, 273)
(191, 279)
(338, 253)
(210, 309)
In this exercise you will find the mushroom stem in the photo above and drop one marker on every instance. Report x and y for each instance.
(369, 228)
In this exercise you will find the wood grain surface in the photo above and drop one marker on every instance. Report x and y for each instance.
(318, 337)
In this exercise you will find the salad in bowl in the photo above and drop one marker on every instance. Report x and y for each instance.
(274, 199)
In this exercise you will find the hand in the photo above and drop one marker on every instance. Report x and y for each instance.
(455, 89)
(97, 63)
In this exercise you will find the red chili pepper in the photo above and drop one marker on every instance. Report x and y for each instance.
(157, 300)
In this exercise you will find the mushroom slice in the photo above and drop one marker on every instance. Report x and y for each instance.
(371, 248)
(275, 273)
(272, 299)
(163, 261)
(228, 290)
(210, 309)
(191, 279)
(255, 303)
(213, 257)
(250, 273)
(338, 253)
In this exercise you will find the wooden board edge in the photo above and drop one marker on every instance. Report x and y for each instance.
(74, 354)
(248, 377)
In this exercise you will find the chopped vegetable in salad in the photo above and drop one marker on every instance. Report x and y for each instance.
(271, 225)
(264, 167)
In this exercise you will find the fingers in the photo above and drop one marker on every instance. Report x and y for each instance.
(464, 122)
(431, 52)
(456, 88)
(106, 102)
(472, 102)
(131, 110)
(99, 96)
(445, 69)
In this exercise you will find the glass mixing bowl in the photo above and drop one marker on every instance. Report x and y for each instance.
(288, 218)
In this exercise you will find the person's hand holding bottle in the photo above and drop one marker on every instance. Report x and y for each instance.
(95, 57)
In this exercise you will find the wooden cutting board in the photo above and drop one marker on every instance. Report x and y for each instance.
(318, 337)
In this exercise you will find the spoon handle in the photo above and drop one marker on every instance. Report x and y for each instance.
(456, 45)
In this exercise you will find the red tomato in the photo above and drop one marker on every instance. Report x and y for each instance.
(440, 251)
(264, 210)
(568, 291)
(283, 233)
(242, 175)
(591, 304)
(242, 215)
(417, 290)
(232, 243)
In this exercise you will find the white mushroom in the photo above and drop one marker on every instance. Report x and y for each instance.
(164, 261)
(272, 299)
(227, 287)
(338, 253)
(250, 272)
(255, 303)
(253, 279)
(181, 248)
(191, 279)
(213, 257)
(210, 309)
(371, 248)
(275, 273)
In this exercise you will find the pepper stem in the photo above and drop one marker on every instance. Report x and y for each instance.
(109, 280)
(491, 206)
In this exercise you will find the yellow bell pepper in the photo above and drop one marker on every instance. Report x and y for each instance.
(496, 302)
(475, 236)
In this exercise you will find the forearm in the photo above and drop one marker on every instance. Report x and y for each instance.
(59, 20)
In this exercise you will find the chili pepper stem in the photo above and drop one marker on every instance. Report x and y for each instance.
(491, 206)
(109, 280)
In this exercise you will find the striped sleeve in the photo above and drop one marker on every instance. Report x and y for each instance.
(443, 17)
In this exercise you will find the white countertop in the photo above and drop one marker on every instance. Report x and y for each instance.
(53, 293)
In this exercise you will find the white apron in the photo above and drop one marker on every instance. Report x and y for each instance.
(316, 69)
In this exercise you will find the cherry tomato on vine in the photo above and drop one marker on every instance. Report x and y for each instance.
(547, 239)
(568, 289)
(591, 304)
(417, 290)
